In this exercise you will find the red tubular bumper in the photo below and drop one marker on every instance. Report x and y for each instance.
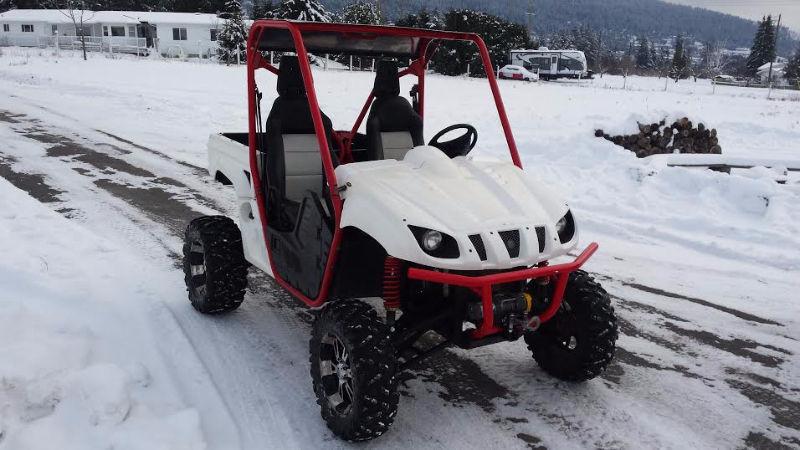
(483, 286)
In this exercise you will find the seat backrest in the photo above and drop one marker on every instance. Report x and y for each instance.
(393, 127)
(293, 158)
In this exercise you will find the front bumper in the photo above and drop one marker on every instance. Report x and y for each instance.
(482, 285)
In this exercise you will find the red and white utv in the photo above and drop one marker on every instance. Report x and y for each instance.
(457, 249)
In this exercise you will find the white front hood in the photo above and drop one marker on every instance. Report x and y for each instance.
(459, 197)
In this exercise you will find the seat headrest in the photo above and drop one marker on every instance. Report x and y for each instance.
(290, 80)
(387, 83)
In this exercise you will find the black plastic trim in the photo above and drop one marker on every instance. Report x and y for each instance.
(511, 240)
(568, 233)
(480, 247)
(541, 235)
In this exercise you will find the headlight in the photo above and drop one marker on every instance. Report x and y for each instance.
(561, 225)
(565, 228)
(431, 240)
(435, 243)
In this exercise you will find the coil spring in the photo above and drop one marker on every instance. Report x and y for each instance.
(392, 269)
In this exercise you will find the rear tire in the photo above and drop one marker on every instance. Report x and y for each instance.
(353, 370)
(578, 343)
(214, 267)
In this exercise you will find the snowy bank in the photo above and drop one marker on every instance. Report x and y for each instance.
(77, 366)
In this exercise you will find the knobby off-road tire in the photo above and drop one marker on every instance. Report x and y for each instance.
(353, 370)
(578, 343)
(214, 267)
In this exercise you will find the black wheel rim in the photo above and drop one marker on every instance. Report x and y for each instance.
(336, 374)
(570, 343)
(197, 267)
(566, 334)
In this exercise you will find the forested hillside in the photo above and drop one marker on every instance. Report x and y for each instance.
(618, 19)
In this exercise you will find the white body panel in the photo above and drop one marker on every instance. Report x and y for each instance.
(458, 197)
(232, 159)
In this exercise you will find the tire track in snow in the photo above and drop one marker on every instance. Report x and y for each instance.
(706, 303)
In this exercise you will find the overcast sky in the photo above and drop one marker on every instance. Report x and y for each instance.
(753, 9)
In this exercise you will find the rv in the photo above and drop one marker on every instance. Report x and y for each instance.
(552, 64)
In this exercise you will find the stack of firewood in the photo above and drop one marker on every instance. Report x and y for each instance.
(682, 136)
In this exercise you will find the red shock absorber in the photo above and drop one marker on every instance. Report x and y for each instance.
(392, 272)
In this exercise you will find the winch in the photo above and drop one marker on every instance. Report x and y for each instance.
(503, 306)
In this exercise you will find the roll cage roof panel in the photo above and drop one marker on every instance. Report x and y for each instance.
(364, 40)
(304, 38)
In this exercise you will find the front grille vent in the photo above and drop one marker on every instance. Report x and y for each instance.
(477, 242)
(511, 241)
(540, 235)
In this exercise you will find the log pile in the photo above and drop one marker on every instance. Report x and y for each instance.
(682, 136)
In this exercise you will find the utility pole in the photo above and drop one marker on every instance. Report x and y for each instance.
(777, 32)
(598, 62)
(529, 17)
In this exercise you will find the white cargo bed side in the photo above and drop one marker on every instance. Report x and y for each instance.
(231, 159)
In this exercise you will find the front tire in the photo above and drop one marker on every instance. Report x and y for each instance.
(578, 343)
(214, 267)
(353, 370)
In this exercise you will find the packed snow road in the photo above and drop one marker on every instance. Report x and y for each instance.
(709, 333)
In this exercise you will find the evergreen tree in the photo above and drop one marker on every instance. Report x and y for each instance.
(643, 56)
(755, 60)
(770, 34)
(680, 61)
(232, 39)
(763, 49)
(500, 36)
(582, 38)
(664, 63)
(793, 68)
(361, 12)
(423, 19)
(655, 61)
(562, 40)
(262, 9)
(306, 10)
(202, 6)
(5, 5)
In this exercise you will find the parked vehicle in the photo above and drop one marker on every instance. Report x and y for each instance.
(730, 80)
(553, 64)
(454, 246)
(517, 73)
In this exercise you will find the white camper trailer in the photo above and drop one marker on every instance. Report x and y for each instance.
(552, 64)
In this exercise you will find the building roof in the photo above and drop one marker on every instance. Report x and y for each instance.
(775, 66)
(58, 16)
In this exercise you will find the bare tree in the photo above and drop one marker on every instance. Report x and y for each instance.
(627, 65)
(78, 11)
(712, 62)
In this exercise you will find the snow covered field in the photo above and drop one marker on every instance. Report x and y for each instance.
(99, 347)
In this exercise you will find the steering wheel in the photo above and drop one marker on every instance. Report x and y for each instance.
(459, 146)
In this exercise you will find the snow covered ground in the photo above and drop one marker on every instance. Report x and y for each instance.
(99, 347)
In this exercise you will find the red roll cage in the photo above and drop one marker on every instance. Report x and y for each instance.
(367, 40)
(418, 46)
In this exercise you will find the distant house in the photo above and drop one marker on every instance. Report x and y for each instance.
(741, 52)
(171, 34)
(778, 72)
